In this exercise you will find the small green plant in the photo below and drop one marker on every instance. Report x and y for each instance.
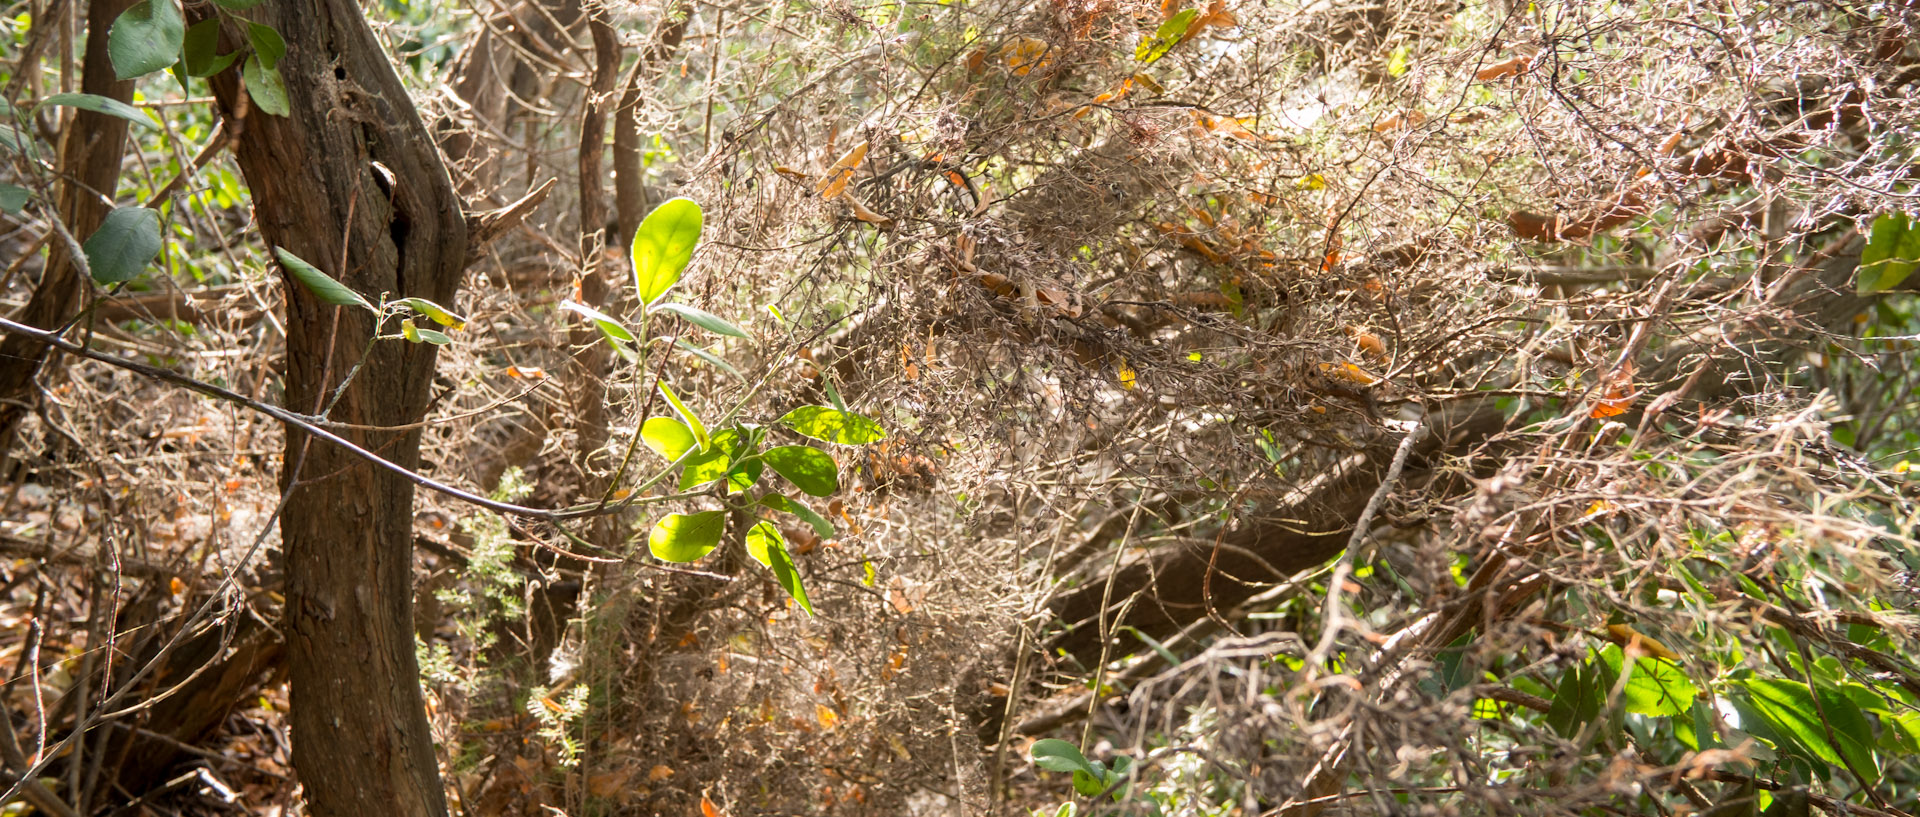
(1091, 778)
(732, 458)
(556, 714)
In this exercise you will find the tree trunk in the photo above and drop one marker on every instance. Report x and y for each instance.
(351, 182)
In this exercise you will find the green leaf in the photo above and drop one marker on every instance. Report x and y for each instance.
(1891, 255)
(199, 52)
(663, 246)
(319, 283)
(267, 45)
(146, 38)
(687, 416)
(1089, 785)
(12, 139)
(1790, 709)
(701, 318)
(265, 88)
(1657, 687)
(821, 527)
(100, 105)
(418, 335)
(708, 357)
(1575, 703)
(12, 198)
(723, 460)
(616, 333)
(667, 437)
(1056, 755)
(685, 537)
(1166, 37)
(124, 245)
(768, 547)
(834, 425)
(809, 469)
(440, 314)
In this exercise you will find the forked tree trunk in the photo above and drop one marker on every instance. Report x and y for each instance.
(351, 182)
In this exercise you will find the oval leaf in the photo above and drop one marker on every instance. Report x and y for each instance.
(319, 283)
(723, 459)
(12, 198)
(616, 333)
(267, 45)
(701, 318)
(821, 526)
(265, 88)
(1789, 708)
(667, 437)
(1056, 755)
(663, 246)
(777, 559)
(438, 313)
(698, 428)
(834, 425)
(809, 469)
(685, 537)
(146, 38)
(199, 53)
(1657, 687)
(126, 242)
(100, 105)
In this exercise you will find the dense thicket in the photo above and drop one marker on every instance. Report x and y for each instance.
(1298, 408)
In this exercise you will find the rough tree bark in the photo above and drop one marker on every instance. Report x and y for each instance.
(351, 182)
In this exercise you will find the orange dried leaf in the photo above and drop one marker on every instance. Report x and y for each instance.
(861, 212)
(706, 807)
(841, 171)
(1024, 54)
(176, 586)
(1348, 372)
(827, 717)
(1630, 639)
(659, 773)
(526, 373)
(1407, 119)
(1503, 69)
(1370, 343)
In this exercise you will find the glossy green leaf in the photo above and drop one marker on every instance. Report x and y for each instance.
(267, 45)
(616, 333)
(319, 283)
(1089, 784)
(781, 563)
(147, 37)
(685, 537)
(100, 105)
(809, 469)
(663, 246)
(687, 416)
(1166, 37)
(13, 198)
(439, 314)
(701, 318)
(124, 245)
(667, 437)
(1789, 708)
(199, 54)
(821, 527)
(265, 87)
(1657, 687)
(1057, 755)
(833, 425)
